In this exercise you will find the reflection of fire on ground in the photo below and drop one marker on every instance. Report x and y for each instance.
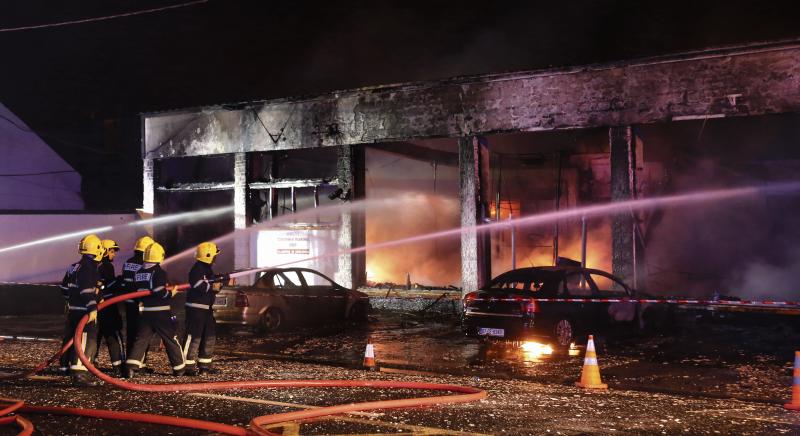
(437, 262)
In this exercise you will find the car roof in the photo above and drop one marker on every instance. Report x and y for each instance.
(553, 271)
(561, 268)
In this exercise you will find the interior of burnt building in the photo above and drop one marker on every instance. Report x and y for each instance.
(422, 182)
(739, 247)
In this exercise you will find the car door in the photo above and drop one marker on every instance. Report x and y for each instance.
(609, 287)
(262, 293)
(289, 287)
(329, 299)
(585, 314)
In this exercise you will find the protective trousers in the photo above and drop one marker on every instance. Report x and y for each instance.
(69, 332)
(200, 337)
(161, 324)
(110, 325)
(131, 327)
(88, 341)
(131, 324)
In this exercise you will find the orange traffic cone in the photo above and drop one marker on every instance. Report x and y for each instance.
(795, 404)
(369, 357)
(590, 376)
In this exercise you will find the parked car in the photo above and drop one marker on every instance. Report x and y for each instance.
(507, 308)
(289, 296)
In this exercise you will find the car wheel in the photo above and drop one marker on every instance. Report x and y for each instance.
(271, 320)
(358, 313)
(564, 333)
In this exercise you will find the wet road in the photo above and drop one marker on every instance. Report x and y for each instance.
(677, 384)
(749, 359)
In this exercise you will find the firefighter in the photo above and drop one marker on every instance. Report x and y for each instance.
(129, 270)
(200, 322)
(80, 290)
(110, 320)
(156, 316)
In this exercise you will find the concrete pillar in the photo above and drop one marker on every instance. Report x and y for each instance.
(149, 188)
(350, 171)
(473, 167)
(241, 217)
(150, 179)
(623, 166)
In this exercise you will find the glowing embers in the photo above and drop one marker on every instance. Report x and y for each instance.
(532, 351)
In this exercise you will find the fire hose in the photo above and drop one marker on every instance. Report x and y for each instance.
(16, 405)
(464, 394)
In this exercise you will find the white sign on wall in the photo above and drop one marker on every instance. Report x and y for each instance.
(302, 248)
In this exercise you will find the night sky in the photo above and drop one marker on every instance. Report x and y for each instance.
(81, 87)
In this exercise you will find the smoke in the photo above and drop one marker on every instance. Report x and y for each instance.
(744, 248)
(762, 280)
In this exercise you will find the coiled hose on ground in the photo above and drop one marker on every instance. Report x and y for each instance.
(463, 394)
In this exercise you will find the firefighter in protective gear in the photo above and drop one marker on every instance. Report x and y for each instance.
(110, 320)
(129, 270)
(200, 322)
(79, 288)
(156, 316)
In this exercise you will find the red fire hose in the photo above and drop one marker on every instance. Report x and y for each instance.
(27, 427)
(464, 394)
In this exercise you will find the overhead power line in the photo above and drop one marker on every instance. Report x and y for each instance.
(14, 123)
(44, 173)
(104, 18)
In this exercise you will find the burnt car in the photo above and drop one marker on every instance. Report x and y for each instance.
(289, 296)
(508, 307)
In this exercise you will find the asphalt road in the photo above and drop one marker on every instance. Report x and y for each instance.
(715, 378)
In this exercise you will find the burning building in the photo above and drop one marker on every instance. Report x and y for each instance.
(485, 148)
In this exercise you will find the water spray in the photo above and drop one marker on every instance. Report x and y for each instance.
(578, 212)
(351, 206)
(191, 216)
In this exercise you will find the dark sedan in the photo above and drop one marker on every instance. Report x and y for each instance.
(508, 308)
(289, 296)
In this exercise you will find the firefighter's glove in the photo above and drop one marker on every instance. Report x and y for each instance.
(216, 286)
(92, 317)
(174, 290)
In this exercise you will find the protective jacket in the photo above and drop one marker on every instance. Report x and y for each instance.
(200, 294)
(153, 279)
(79, 286)
(111, 286)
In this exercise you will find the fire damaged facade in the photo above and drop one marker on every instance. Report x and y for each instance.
(612, 120)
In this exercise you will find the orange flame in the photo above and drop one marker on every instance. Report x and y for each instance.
(437, 262)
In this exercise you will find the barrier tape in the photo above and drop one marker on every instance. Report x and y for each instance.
(789, 304)
(28, 338)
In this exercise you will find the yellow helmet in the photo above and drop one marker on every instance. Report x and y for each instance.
(142, 243)
(110, 244)
(154, 253)
(92, 245)
(206, 252)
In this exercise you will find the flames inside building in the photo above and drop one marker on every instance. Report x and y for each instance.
(349, 183)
